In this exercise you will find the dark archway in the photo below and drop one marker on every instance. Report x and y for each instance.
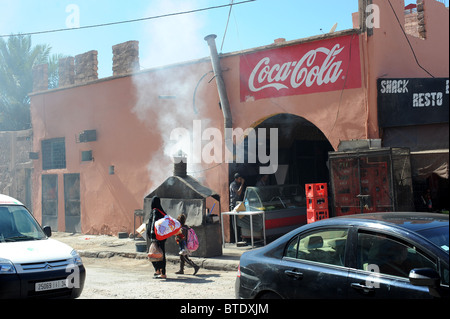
(302, 153)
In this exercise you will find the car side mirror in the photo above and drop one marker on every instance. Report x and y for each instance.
(426, 277)
(47, 231)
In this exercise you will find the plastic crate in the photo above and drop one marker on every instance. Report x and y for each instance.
(317, 203)
(316, 190)
(314, 215)
(345, 200)
(346, 210)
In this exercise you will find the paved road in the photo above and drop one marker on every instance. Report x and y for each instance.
(124, 278)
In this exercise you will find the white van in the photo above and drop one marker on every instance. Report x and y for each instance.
(31, 264)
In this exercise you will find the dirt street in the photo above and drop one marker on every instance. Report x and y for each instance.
(124, 278)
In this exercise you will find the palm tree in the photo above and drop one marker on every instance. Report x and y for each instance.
(53, 66)
(17, 59)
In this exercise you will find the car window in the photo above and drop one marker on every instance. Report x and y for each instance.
(325, 246)
(437, 235)
(387, 255)
(16, 224)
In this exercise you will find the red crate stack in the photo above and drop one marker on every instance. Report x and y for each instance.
(316, 190)
(316, 202)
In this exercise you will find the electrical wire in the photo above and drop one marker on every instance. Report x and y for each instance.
(410, 45)
(205, 170)
(226, 27)
(131, 21)
(195, 91)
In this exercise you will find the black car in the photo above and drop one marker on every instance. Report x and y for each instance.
(385, 255)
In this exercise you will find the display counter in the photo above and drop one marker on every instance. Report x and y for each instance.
(284, 207)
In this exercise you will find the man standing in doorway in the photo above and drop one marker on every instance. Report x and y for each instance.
(236, 190)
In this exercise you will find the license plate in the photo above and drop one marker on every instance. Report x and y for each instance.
(50, 285)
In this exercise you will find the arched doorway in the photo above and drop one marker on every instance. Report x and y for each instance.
(301, 158)
(302, 153)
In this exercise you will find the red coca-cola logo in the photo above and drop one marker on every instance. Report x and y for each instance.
(320, 66)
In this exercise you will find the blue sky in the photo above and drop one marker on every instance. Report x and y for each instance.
(174, 39)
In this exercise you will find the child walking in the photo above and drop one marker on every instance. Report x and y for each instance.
(181, 239)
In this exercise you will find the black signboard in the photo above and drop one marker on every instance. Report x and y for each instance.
(404, 102)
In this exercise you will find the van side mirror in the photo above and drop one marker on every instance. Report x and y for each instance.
(426, 277)
(47, 231)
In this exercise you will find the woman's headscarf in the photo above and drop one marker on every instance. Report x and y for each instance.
(156, 203)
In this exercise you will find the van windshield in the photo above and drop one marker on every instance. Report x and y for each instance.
(17, 224)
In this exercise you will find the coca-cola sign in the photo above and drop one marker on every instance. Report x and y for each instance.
(319, 66)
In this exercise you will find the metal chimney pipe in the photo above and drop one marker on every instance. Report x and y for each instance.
(223, 96)
(180, 164)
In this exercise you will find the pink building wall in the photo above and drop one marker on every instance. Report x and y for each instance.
(387, 53)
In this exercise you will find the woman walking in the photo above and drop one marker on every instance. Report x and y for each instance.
(181, 239)
(156, 214)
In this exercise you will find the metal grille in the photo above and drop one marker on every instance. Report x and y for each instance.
(401, 170)
(54, 154)
(374, 180)
(46, 265)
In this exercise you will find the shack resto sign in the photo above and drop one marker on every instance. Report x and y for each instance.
(313, 67)
(413, 101)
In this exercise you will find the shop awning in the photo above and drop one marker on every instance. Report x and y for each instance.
(429, 145)
(425, 163)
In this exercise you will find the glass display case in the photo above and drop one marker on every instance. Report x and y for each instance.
(284, 209)
(270, 198)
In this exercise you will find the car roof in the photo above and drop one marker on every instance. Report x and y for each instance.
(7, 200)
(413, 221)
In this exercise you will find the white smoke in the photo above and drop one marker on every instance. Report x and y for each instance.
(164, 96)
(165, 105)
(175, 38)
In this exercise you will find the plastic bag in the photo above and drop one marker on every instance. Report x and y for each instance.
(155, 252)
(166, 227)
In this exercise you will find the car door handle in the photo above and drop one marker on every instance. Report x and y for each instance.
(363, 288)
(294, 274)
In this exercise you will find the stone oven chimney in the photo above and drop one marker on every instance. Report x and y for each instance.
(86, 67)
(125, 58)
(180, 164)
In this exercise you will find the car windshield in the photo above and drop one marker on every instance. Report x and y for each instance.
(438, 235)
(17, 224)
